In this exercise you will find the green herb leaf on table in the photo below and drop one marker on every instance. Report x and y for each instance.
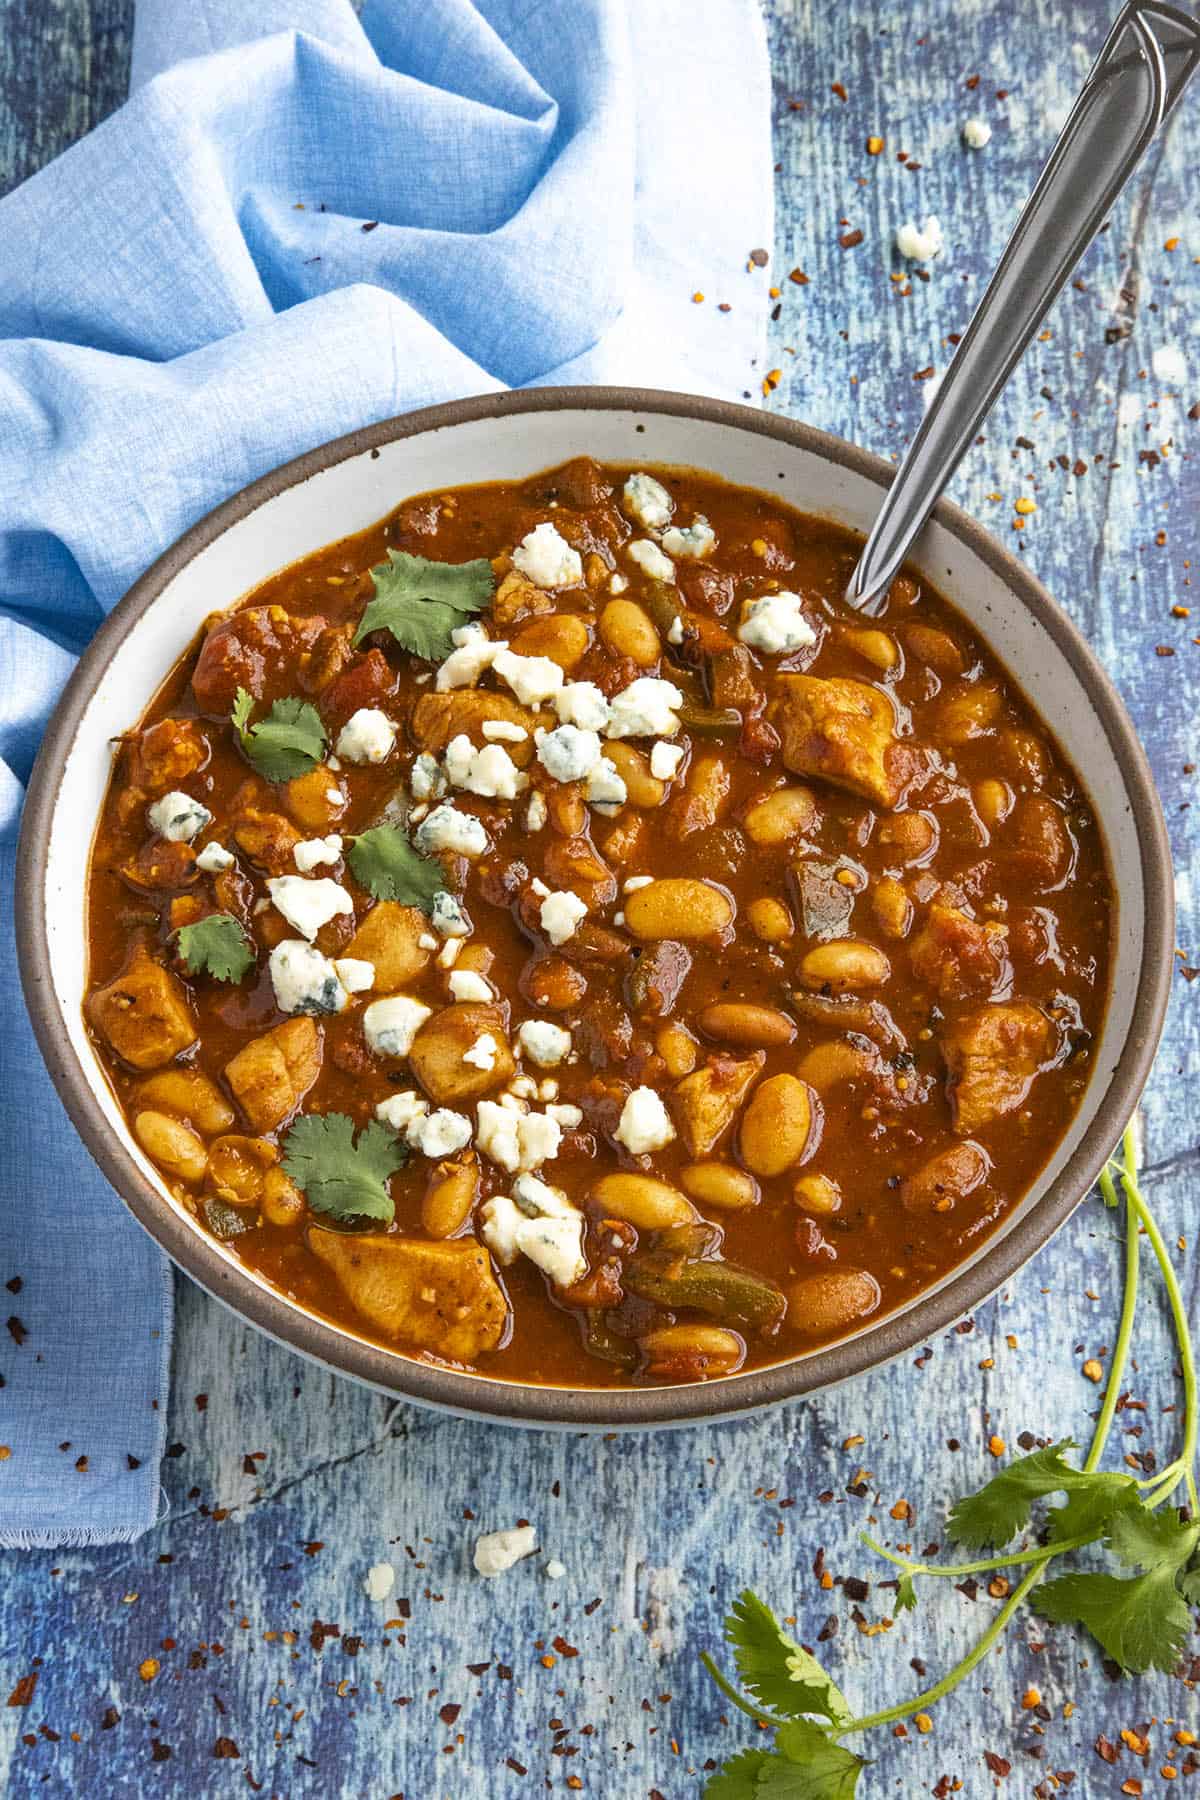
(1089, 1510)
(781, 1675)
(816, 1768)
(1142, 1622)
(738, 1778)
(906, 1594)
(216, 946)
(288, 742)
(422, 602)
(338, 1175)
(388, 866)
(1002, 1508)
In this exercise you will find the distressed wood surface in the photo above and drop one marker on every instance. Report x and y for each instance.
(284, 1484)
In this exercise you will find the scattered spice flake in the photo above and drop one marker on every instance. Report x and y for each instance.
(849, 240)
(697, 298)
(875, 146)
(5, 1452)
(448, 1714)
(923, 1723)
(999, 1765)
(1093, 1370)
(1171, 244)
(997, 1446)
(226, 1750)
(371, 225)
(23, 1693)
(799, 277)
(518, 1768)
(760, 258)
(835, 87)
(1024, 505)
(971, 83)
(17, 1331)
(149, 1668)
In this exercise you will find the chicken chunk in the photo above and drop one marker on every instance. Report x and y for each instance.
(439, 717)
(705, 1103)
(389, 938)
(267, 838)
(438, 1297)
(957, 957)
(516, 599)
(845, 732)
(144, 1013)
(164, 755)
(271, 1075)
(992, 1057)
(440, 1049)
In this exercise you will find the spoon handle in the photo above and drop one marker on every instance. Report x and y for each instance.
(1147, 61)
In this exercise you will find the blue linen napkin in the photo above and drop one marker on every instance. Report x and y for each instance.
(303, 221)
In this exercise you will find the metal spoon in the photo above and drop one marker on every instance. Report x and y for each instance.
(1149, 58)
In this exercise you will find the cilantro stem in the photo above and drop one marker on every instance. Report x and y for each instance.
(1116, 1368)
(1010, 1560)
(951, 1679)
(731, 1693)
(1186, 1460)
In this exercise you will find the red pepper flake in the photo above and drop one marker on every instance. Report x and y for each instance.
(132, 1462)
(510, 1762)
(1106, 1750)
(159, 1751)
(923, 374)
(760, 258)
(972, 82)
(81, 1463)
(226, 1750)
(15, 1285)
(1079, 467)
(449, 1713)
(201, 1402)
(799, 277)
(1194, 410)
(17, 1331)
(999, 1765)
(111, 1717)
(563, 1648)
(724, 306)
(1163, 650)
(315, 1547)
(850, 239)
(835, 87)
(371, 225)
(23, 1693)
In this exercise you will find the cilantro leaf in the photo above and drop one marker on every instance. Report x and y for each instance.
(1090, 1509)
(738, 1778)
(387, 865)
(906, 1594)
(1189, 1586)
(816, 1768)
(1142, 1622)
(216, 946)
(288, 742)
(775, 1669)
(1147, 1540)
(422, 602)
(340, 1176)
(1001, 1509)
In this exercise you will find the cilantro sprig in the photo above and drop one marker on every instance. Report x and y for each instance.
(339, 1175)
(422, 602)
(216, 946)
(1140, 1617)
(389, 867)
(288, 742)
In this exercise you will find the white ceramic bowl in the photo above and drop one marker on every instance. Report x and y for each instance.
(347, 485)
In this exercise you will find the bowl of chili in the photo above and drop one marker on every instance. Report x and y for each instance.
(718, 994)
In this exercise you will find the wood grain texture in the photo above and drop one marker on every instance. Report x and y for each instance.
(287, 1484)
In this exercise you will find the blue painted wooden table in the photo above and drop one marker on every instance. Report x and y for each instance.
(233, 1648)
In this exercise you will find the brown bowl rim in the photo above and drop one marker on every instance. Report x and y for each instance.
(583, 1408)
